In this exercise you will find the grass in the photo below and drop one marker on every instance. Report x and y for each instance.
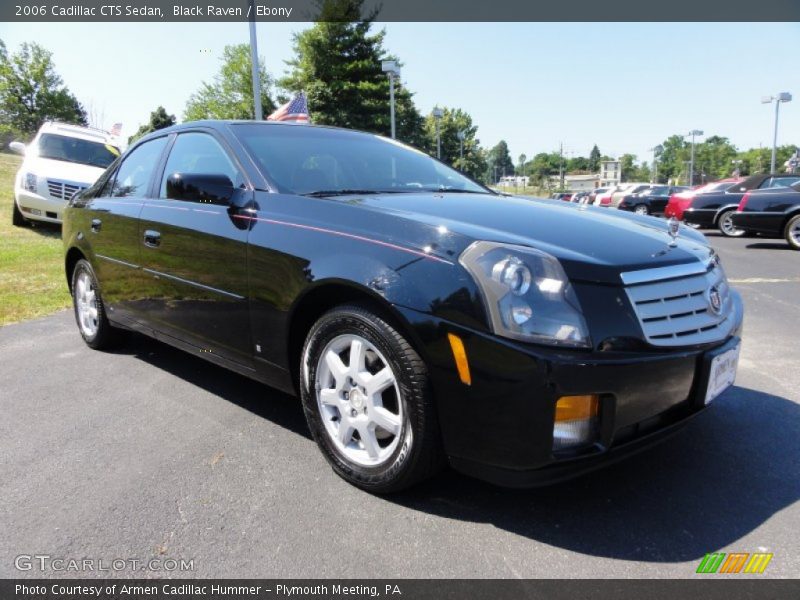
(32, 280)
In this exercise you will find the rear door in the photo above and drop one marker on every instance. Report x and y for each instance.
(113, 232)
(195, 254)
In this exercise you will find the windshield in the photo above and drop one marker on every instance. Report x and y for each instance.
(306, 160)
(70, 149)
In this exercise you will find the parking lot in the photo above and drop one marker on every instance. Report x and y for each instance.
(149, 452)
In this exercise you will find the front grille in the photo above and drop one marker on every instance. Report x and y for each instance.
(674, 305)
(63, 190)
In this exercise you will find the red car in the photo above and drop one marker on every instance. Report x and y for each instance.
(682, 200)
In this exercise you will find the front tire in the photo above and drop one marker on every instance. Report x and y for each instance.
(641, 209)
(17, 219)
(726, 226)
(90, 313)
(792, 232)
(368, 402)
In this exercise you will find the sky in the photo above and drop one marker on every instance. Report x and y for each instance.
(622, 86)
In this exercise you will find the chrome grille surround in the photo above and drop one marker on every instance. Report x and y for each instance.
(674, 307)
(63, 190)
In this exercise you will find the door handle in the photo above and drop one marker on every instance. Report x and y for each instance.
(96, 224)
(152, 239)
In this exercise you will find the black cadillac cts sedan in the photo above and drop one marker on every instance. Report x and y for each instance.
(423, 319)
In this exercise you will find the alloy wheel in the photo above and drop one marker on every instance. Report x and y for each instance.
(359, 400)
(86, 304)
(727, 227)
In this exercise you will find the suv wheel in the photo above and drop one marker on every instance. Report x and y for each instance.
(641, 209)
(792, 232)
(367, 401)
(17, 219)
(726, 226)
(90, 314)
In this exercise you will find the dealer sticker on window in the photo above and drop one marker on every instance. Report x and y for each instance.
(723, 373)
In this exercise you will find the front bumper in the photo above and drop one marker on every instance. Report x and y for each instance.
(500, 428)
(700, 217)
(40, 208)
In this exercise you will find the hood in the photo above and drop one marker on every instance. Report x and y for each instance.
(593, 244)
(47, 168)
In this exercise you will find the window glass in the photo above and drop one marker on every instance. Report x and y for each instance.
(301, 160)
(199, 153)
(773, 182)
(134, 174)
(76, 150)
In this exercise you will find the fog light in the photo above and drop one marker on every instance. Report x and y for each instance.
(575, 421)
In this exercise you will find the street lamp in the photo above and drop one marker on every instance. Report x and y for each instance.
(438, 113)
(392, 69)
(461, 135)
(782, 97)
(737, 169)
(693, 133)
(254, 67)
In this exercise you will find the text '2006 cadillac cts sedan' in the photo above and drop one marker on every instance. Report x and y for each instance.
(423, 319)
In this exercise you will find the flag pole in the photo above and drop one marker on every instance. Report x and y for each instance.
(254, 62)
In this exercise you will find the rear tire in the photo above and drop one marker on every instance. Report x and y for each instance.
(792, 232)
(90, 312)
(641, 209)
(381, 441)
(17, 219)
(726, 226)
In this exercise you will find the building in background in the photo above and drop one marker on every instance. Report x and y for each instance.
(610, 173)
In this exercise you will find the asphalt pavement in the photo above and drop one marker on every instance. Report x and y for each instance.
(149, 453)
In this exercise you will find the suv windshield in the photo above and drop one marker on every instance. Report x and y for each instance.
(313, 160)
(70, 149)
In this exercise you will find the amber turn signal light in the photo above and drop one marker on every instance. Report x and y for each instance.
(460, 356)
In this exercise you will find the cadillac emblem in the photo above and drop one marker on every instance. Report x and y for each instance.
(714, 300)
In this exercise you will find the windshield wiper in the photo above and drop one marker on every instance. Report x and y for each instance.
(453, 190)
(342, 192)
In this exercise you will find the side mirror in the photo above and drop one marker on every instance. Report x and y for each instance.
(17, 147)
(211, 188)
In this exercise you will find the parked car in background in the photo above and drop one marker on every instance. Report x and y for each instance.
(604, 199)
(579, 197)
(422, 319)
(679, 202)
(594, 193)
(652, 201)
(564, 196)
(715, 209)
(61, 160)
(771, 212)
(626, 189)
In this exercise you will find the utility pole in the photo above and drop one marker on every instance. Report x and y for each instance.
(561, 166)
(782, 97)
(438, 113)
(257, 111)
(392, 69)
(693, 133)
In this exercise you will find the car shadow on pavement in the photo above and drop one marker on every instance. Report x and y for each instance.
(721, 477)
(770, 246)
(261, 400)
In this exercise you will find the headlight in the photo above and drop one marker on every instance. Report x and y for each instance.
(29, 182)
(527, 294)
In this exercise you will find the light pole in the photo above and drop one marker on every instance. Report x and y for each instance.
(438, 113)
(461, 135)
(737, 169)
(693, 133)
(656, 150)
(392, 69)
(778, 98)
(257, 113)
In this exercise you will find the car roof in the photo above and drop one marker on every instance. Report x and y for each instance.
(78, 131)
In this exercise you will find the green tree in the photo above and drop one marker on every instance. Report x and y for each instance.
(499, 162)
(230, 94)
(581, 164)
(337, 64)
(713, 158)
(31, 92)
(594, 159)
(454, 120)
(159, 119)
(628, 167)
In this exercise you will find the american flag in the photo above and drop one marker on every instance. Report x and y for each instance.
(296, 110)
(116, 129)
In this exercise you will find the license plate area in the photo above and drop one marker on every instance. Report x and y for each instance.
(722, 372)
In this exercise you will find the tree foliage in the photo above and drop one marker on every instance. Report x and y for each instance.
(230, 94)
(594, 159)
(337, 63)
(498, 162)
(159, 119)
(31, 92)
(454, 120)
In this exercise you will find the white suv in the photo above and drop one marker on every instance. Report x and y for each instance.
(61, 160)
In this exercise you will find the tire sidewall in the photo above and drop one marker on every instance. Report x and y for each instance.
(390, 474)
(726, 215)
(102, 333)
(787, 232)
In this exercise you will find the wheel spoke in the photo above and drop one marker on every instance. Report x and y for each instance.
(338, 370)
(356, 357)
(330, 397)
(345, 432)
(386, 420)
(380, 381)
(369, 441)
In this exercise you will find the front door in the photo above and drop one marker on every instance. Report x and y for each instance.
(195, 253)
